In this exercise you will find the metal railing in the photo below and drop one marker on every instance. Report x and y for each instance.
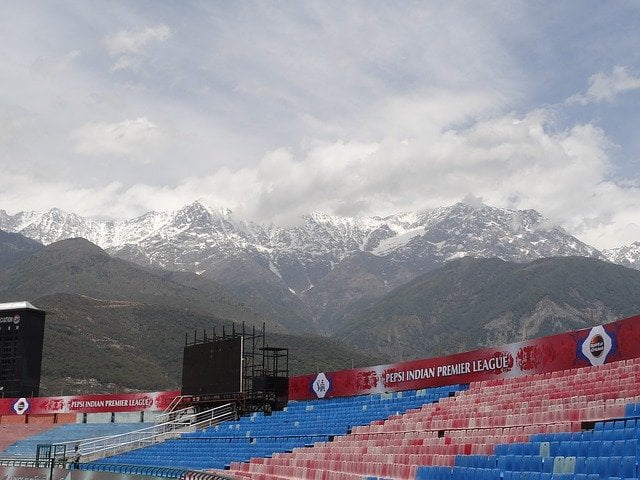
(14, 462)
(160, 472)
(150, 471)
(98, 448)
(171, 408)
(173, 415)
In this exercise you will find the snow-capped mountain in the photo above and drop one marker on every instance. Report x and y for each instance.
(188, 238)
(627, 255)
(326, 262)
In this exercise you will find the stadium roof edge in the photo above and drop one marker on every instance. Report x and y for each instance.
(25, 305)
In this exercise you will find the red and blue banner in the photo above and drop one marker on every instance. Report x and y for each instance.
(619, 340)
(123, 402)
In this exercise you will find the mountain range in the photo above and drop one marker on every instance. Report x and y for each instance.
(377, 289)
(470, 303)
(316, 275)
(113, 325)
(14, 246)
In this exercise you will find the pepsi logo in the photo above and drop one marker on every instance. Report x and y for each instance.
(596, 345)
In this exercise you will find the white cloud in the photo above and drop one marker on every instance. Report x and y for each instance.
(129, 137)
(423, 113)
(54, 64)
(26, 192)
(129, 47)
(343, 107)
(603, 87)
(507, 161)
(128, 42)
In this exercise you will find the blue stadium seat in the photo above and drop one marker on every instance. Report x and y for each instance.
(533, 463)
(630, 410)
(69, 433)
(628, 468)
(300, 424)
(602, 466)
(608, 435)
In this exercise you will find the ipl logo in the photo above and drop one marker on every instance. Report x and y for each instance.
(21, 406)
(321, 385)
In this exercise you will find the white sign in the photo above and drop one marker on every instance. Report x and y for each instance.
(597, 345)
(321, 385)
(21, 406)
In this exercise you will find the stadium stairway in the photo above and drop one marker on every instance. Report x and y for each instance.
(481, 425)
(300, 424)
(71, 432)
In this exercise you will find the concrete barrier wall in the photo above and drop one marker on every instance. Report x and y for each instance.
(150, 416)
(99, 417)
(127, 417)
(32, 473)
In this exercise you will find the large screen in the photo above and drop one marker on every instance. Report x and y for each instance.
(21, 340)
(212, 367)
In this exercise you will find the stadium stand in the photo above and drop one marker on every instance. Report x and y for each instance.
(482, 433)
(300, 424)
(12, 433)
(72, 432)
(579, 424)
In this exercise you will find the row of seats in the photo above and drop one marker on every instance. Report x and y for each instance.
(68, 433)
(581, 454)
(470, 473)
(576, 448)
(12, 433)
(300, 424)
(475, 421)
(611, 465)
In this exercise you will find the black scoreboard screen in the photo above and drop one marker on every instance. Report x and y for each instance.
(212, 367)
(21, 340)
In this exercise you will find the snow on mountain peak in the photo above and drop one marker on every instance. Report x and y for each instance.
(627, 255)
(197, 234)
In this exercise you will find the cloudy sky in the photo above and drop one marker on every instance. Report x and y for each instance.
(273, 109)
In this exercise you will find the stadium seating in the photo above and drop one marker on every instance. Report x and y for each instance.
(70, 432)
(581, 424)
(299, 425)
(580, 455)
(11, 433)
(498, 429)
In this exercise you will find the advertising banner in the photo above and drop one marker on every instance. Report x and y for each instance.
(124, 402)
(611, 342)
